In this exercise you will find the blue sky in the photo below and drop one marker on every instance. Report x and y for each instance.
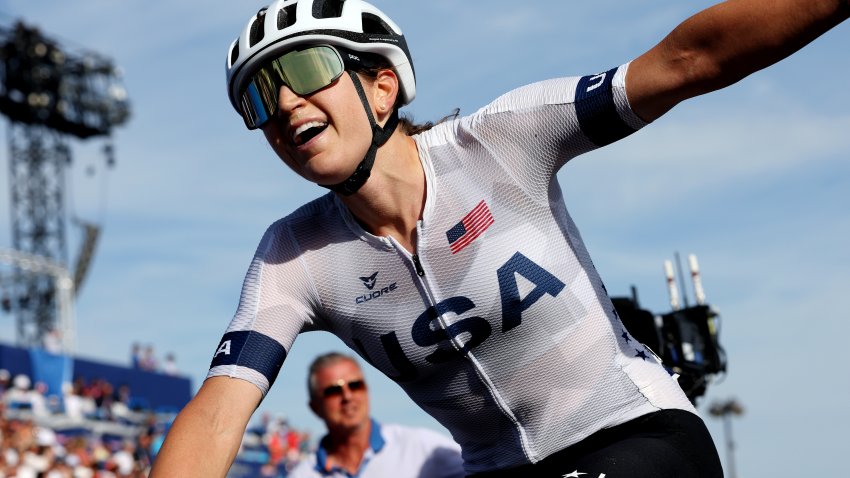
(754, 179)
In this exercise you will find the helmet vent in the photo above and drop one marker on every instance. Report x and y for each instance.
(327, 8)
(374, 24)
(286, 16)
(234, 52)
(258, 29)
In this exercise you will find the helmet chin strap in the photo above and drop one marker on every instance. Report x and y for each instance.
(379, 137)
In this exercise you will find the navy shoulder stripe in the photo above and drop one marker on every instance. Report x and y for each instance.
(597, 113)
(253, 350)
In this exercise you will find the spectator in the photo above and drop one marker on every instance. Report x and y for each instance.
(21, 397)
(40, 405)
(5, 380)
(169, 366)
(60, 469)
(124, 458)
(73, 403)
(143, 455)
(148, 361)
(78, 453)
(136, 355)
(53, 342)
(276, 443)
(102, 393)
(357, 445)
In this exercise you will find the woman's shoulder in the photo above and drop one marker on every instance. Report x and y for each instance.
(319, 209)
(444, 131)
(322, 206)
(316, 215)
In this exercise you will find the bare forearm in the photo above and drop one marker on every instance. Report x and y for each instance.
(739, 37)
(723, 44)
(206, 435)
(192, 449)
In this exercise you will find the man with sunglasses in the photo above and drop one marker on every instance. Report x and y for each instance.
(446, 257)
(358, 446)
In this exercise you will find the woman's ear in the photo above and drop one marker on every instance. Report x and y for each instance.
(384, 93)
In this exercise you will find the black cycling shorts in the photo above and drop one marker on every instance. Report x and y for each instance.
(663, 444)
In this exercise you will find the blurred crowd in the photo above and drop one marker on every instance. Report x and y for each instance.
(92, 431)
(270, 448)
(98, 430)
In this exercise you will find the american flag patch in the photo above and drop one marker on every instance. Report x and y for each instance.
(470, 227)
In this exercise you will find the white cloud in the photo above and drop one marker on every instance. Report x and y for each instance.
(706, 157)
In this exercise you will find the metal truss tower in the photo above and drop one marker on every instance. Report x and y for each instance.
(49, 95)
(37, 161)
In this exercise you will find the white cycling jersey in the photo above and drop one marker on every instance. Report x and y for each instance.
(498, 325)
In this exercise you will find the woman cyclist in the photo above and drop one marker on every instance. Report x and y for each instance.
(445, 256)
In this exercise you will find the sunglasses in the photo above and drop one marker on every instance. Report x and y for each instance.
(303, 71)
(337, 390)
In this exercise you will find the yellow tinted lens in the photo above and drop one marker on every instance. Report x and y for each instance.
(310, 70)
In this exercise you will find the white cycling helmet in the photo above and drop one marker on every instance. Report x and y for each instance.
(285, 24)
